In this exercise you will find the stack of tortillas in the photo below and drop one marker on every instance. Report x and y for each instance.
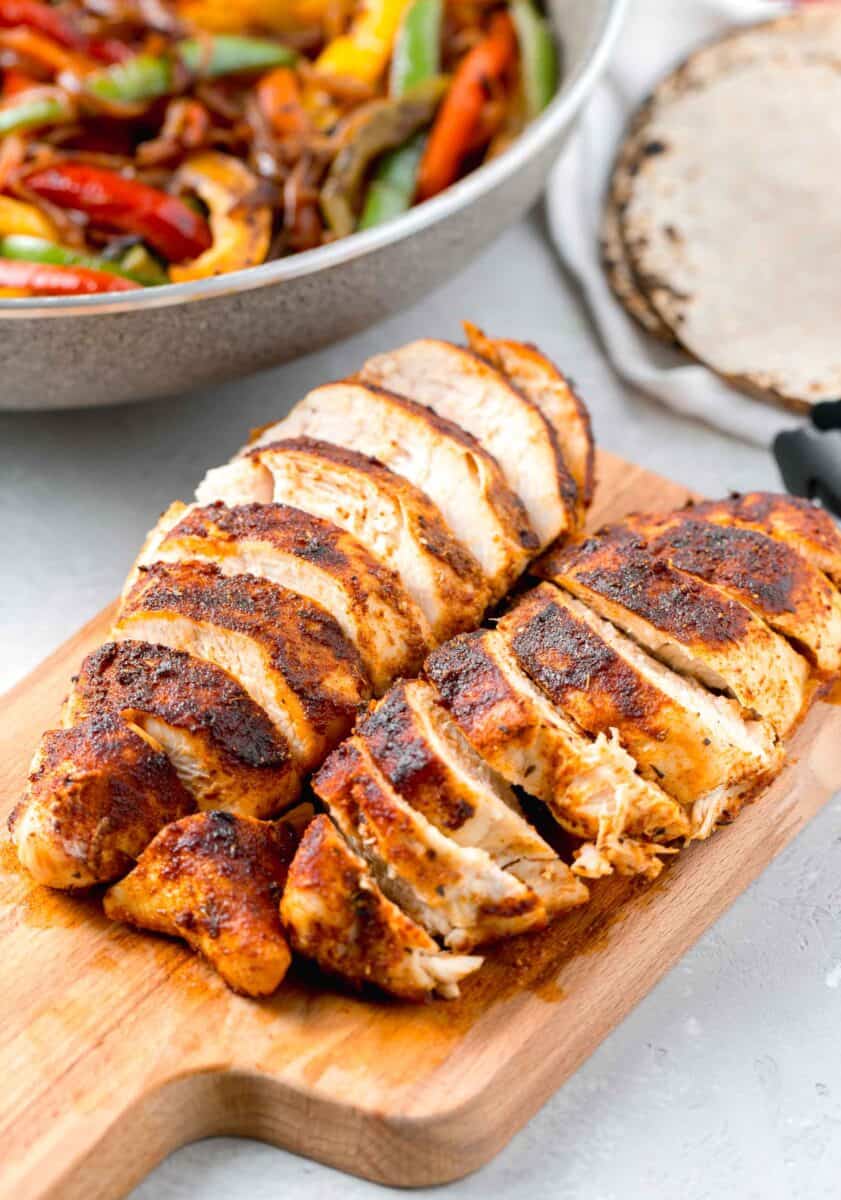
(722, 228)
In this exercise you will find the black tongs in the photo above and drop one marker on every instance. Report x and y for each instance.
(809, 458)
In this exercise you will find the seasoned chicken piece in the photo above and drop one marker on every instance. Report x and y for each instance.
(685, 622)
(288, 653)
(697, 746)
(316, 559)
(433, 768)
(395, 521)
(97, 794)
(225, 750)
(591, 787)
(215, 880)
(766, 575)
(540, 381)
(461, 387)
(437, 456)
(455, 892)
(335, 913)
(805, 526)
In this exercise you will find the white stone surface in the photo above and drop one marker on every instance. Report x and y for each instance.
(726, 1081)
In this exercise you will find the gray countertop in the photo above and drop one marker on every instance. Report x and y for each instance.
(726, 1080)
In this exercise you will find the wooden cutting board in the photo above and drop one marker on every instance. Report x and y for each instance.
(116, 1047)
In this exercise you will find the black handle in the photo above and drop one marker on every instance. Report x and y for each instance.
(810, 458)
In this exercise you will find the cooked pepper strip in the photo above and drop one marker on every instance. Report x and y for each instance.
(279, 98)
(241, 228)
(363, 52)
(19, 218)
(393, 186)
(42, 279)
(275, 16)
(148, 76)
(48, 54)
(538, 57)
(458, 118)
(168, 224)
(44, 18)
(417, 50)
(385, 125)
(35, 249)
(417, 56)
(33, 108)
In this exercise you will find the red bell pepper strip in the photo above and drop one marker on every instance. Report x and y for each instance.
(44, 18)
(458, 117)
(43, 279)
(110, 200)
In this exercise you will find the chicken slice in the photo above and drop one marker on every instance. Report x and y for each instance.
(288, 653)
(768, 576)
(395, 521)
(315, 558)
(457, 893)
(591, 787)
(225, 750)
(540, 381)
(699, 747)
(215, 880)
(96, 796)
(336, 914)
(461, 387)
(437, 456)
(805, 526)
(685, 622)
(433, 768)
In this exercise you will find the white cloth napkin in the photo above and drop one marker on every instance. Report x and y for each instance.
(656, 36)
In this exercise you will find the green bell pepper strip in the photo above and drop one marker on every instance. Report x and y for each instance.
(417, 49)
(538, 56)
(416, 58)
(148, 76)
(391, 190)
(31, 249)
(28, 112)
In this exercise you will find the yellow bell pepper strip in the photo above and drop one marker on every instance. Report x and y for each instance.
(383, 125)
(241, 229)
(363, 52)
(273, 16)
(458, 119)
(25, 219)
(538, 56)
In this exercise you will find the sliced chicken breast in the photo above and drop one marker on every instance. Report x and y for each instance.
(689, 741)
(433, 768)
(225, 750)
(316, 559)
(540, 381)
(394, 520)
(466, 389)
(591, 787)
(687, 623)
(215, 880)
(768, 576)
(455, 892)
(288, 653)
(336, 914)
(436, 455)
(96, 796)
(805, 526)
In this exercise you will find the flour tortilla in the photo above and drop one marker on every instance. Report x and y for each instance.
(657, 187)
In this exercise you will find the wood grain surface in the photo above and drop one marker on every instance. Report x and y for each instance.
(116, 1047)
